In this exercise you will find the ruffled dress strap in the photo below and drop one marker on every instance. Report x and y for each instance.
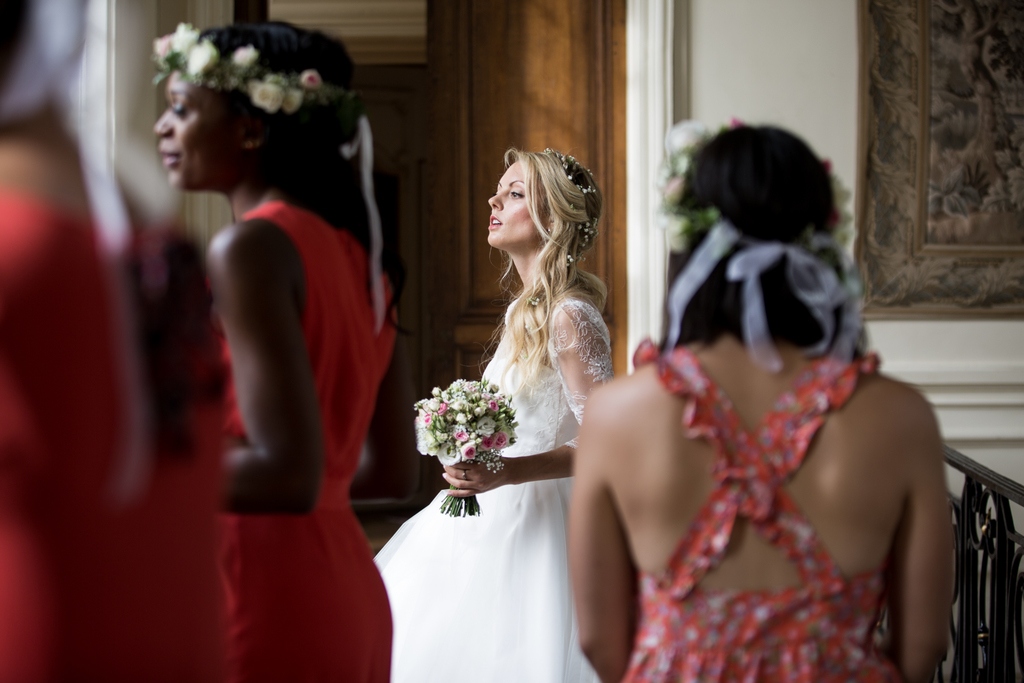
(750, 468)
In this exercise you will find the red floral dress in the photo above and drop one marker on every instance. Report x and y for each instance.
(821, 631)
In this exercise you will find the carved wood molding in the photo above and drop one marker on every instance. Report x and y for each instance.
(374, 31)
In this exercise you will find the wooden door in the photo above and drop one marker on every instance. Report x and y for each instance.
(525, 73)
(500, 73)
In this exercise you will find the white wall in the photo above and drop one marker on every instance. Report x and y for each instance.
(793, 63)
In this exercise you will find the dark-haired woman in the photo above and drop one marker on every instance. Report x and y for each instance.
(262, 113)
(756, 482)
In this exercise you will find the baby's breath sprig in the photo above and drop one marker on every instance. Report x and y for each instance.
(588, 228)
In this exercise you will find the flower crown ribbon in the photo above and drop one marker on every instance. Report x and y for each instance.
(811, 280)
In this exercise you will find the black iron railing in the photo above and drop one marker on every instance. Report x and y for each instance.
(986, 629)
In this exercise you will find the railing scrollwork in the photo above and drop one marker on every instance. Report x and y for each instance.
(986, 622)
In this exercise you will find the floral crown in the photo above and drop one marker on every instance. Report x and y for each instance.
(199, 62)
(685, 220)
(573, 171)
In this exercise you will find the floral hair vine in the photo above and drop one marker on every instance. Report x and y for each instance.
(588, 228)
(571, 166)
(199, 62)
(685, 220)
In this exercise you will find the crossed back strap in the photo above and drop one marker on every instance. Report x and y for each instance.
(751, 467)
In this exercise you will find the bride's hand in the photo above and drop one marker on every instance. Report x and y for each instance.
(473, 478)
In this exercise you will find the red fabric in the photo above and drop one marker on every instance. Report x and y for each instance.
(91, 591)
(305, 600)
(821, 631)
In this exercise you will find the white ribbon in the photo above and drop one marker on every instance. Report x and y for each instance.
(362, 143)
(719, 241)
(810, 279)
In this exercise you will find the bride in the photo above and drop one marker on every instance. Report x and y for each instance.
(488, 598)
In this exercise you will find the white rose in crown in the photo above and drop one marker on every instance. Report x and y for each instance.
(202, 58)
(292, 101)
(683, 135)
(245, 56)
(184, 38)
(266, 96)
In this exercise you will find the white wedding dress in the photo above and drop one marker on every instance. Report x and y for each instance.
(487, 599)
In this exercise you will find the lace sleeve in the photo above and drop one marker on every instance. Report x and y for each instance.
(581, 347)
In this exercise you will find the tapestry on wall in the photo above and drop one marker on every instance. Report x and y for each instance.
(942, 156)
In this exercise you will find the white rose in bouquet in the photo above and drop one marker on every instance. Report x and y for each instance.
(448, 455)
(486, 426)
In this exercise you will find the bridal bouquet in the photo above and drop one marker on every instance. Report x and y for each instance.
(468, 421)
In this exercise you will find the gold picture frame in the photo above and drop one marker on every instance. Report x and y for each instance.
(940, 193)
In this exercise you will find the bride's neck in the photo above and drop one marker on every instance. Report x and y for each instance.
(526, 267)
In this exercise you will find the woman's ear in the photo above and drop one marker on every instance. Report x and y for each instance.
(252, 133)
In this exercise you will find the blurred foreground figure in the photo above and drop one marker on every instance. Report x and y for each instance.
(107, 519)
(757, 482)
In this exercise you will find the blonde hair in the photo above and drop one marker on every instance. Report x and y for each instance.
(565, 204)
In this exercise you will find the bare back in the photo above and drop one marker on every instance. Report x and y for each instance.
(852, 486)
(789, 538)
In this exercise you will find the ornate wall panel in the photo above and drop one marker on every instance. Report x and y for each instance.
(941, 186)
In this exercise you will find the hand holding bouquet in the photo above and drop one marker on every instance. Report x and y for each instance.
(468, 421)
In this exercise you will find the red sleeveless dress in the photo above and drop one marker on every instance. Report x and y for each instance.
(91, 590)
(821, 631)
(305, 600)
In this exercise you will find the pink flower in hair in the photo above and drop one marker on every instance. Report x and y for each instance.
(310, 79)
(827, 163)
(736, 123)
(162, 46)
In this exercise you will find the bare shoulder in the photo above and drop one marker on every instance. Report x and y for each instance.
(620, 409)
(895, 417)
(892, 402)
(253, 246)
(244, 240)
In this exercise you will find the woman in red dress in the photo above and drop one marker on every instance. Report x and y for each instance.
(98, 581)
(259, 113)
